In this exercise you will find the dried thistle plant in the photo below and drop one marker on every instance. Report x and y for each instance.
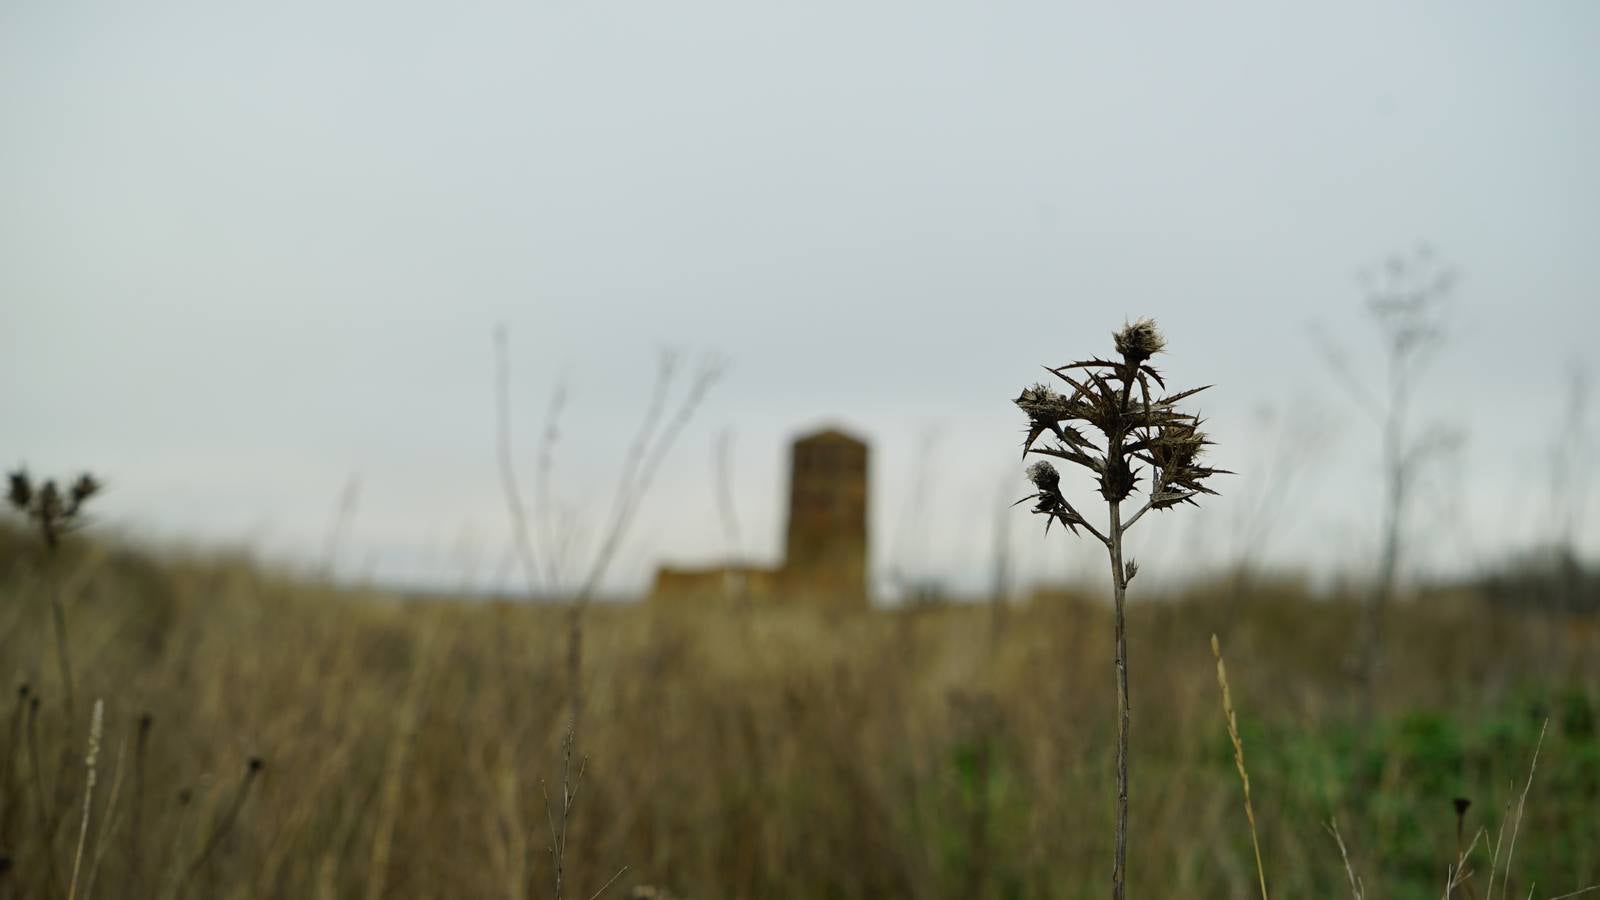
(1138, 428)
(54, 511)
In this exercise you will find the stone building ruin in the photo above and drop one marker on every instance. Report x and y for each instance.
(826, 548)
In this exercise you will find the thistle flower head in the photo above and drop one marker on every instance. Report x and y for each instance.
(1139, 340)
(1044, 476)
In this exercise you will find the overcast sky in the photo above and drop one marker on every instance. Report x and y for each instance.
(250, 252)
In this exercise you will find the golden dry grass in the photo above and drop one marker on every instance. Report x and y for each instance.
(774, 753)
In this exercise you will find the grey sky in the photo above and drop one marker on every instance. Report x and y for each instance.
(249, 251)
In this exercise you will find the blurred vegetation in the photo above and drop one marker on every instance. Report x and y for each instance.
(769, 752)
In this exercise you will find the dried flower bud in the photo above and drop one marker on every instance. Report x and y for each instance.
(1117, 480)
(1139, 341)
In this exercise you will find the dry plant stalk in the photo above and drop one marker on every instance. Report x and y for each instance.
(1115, 398)
(570, 784)
(651, 443)
(1238, 761)
(1406, 296)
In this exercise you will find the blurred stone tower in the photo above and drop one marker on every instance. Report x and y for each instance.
(826, 551)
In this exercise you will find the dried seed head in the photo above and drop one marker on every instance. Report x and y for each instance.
(1045, 409)
(1044, 476)
(85, 487)
(1041, 402)
(1461, 804)
(1139, 340)
(49, 507)
(20, 493)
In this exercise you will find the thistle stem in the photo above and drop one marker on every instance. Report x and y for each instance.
(1119, 584)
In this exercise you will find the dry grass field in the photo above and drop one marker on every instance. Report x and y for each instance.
(405, 745)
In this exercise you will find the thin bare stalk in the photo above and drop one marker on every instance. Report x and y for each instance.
(651, 445)
(344, 514)
(1000, 586)
(1405, 296)
(1499, 844)
(12, 795)
(727, 508)
(1238, 761)
(1459, 873)
(607, 886)
(553, 557)
(223, 827)
(1521, 806)
(521, 541)
(570, 785)
(136, 832)
(58, 617)
(47, 828)
(1356, 890)
(1579, 893)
